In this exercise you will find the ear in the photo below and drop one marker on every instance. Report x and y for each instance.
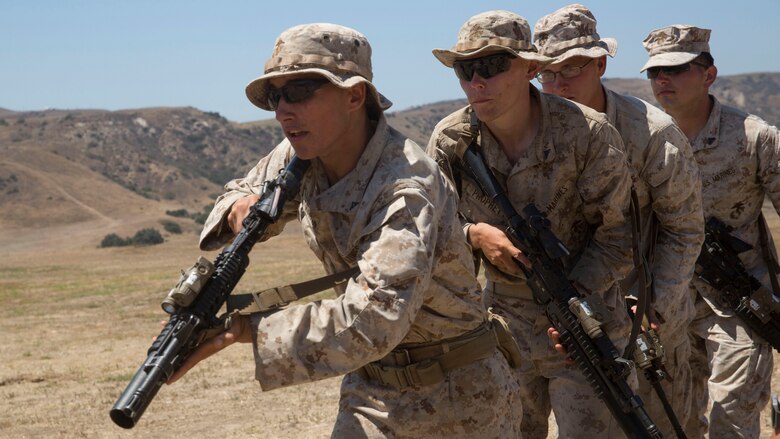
(710, 75)
(601, 65)
(357, 96)
(534, 67)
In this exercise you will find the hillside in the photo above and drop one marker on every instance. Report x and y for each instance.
(757, 93)
(73, 166)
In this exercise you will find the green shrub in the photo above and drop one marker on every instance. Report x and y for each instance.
(171, 227)
(180, 213)
(113, 240)
(200, 218)
(147, 237)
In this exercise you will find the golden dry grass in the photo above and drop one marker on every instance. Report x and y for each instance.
(77, 321)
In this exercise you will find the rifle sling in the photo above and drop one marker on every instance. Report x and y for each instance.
(644, 277)
(769, 258)
(276, 297)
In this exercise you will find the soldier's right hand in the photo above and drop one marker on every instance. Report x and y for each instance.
(239, 211)
(497, 248)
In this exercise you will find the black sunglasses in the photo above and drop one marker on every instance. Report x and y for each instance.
(653, 72)
(296, 90)
(486, 67)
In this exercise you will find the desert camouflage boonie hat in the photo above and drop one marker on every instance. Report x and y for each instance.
(675, 45)
(569, 32)
(491, 32)
(340, 54)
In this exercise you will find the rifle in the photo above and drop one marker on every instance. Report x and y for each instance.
(572, 315)
(649, 358)
(202, 290)
(719, 266)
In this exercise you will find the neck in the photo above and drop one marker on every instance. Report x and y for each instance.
(353, 143)
(598, 101)
(515, 130)
(693, 117)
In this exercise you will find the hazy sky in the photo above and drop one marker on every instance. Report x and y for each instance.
(130, 54)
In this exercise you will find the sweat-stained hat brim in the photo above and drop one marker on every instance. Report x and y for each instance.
(449, 57)
(602, 47)
(670, 59)
(257, 90)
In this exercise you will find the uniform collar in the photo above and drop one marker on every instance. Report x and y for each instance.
(541, 150)
(709, 135)
(346, 194)
(611, 105)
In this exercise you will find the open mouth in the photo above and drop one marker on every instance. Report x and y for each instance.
(295, 134)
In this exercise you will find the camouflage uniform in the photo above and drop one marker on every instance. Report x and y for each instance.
(394, 216)
(666, 181)
(738, 156)
(575, 172)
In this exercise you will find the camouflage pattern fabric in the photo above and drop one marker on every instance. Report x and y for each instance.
(739, 161)
(666, 180)
(675, 45)
(395, 217)
(576, 173)
(571, 31)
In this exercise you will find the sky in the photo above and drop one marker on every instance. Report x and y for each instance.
(123, 54)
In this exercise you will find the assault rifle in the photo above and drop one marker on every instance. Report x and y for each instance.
(720, 267)
(571, 314)
(195, 301)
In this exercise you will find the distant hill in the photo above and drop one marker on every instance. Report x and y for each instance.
(70, 166)
(757, 93)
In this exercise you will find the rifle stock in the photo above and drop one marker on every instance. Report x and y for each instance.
(189, 325)
(719, 266)
(569, 312)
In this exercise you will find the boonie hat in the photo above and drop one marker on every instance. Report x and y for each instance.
(675, 45)
(340, 54)
(569, 32)
(491, 32)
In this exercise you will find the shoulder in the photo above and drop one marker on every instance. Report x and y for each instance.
(404, 164)
(571, 115)
(451, 127)
(640, 118)
(754, 127)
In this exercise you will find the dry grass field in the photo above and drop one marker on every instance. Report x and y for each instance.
(76, 322)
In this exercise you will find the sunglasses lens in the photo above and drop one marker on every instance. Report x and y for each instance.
(294, 91)
(297, 92)
(653, 72)
(274, 95)
(464, 70)
(486, 67)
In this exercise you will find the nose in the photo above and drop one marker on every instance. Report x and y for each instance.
(477, 81)
(283, 110)
(560, 83)
(661, 78)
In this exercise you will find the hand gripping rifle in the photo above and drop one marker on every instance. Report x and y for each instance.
(719, 266)
(195, 301)
(572, 315)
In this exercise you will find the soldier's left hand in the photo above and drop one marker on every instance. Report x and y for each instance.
(239, 332)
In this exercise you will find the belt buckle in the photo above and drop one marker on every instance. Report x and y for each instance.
(401, 357)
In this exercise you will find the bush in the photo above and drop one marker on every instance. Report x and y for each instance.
(180, 213)
(171, 227)
(113, 240)
(141, 237)
(201, 217)
(147, 237)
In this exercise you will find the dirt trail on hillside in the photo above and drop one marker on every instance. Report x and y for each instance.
(54, 185)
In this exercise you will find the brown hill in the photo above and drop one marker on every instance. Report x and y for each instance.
(757, 93)
(73, 166)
